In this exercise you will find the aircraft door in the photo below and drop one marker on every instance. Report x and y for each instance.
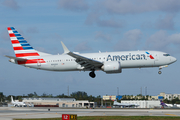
(38, 63)
(156, 59)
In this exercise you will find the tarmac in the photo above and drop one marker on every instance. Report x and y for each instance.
(8, 113)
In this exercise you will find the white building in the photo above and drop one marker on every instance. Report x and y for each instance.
(169, 96)
(144, 103)
(109, 97)
(61, 102)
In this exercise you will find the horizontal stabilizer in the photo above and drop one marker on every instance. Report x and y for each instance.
(15, 58)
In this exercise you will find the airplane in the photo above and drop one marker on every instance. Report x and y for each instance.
(109, 62)
(17, 104)
(177, 105)
(124, 104)
(165, 105)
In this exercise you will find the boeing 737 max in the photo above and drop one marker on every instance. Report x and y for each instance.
(109, 62)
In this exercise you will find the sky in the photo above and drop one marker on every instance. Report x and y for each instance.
(88, 26)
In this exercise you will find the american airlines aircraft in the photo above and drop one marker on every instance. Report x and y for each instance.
(109, 62)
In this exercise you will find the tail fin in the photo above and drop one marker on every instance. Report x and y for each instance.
(115, 102)
(21, 47)
(162, 103)
(12, 99)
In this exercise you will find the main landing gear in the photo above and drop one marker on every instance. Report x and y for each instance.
(92, 74)
(160, 67)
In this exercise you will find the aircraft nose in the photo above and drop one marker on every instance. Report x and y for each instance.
(173, 59)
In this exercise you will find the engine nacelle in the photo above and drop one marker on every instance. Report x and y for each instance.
(112, 67)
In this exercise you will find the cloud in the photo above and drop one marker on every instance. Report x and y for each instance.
(94, 18)
(11, 4)
(166, 22)
(162, 41)
(82, 47)
(102, 36)
(162, 23)
(110, 23)
(130, 40)
(140, 6)
(175, 38)
(73, 5)
(158, 40)
(32, 30)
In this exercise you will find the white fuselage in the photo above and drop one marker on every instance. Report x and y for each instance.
(127, 59)
(18, 104)
(125, 104)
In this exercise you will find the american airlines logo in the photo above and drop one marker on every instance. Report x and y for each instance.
(129, 57)
(126, 57)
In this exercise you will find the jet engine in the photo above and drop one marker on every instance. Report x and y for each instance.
(112, 67)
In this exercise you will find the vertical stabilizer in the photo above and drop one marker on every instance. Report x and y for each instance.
(162, 103)
(12, 99)
(21, 47)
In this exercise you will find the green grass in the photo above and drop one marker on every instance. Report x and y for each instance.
(114, 118)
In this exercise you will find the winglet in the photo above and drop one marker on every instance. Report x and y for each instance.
(65, 48)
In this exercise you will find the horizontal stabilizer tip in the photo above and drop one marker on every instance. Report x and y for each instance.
(16, 58)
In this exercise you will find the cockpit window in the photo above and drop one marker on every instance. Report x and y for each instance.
(166, 54)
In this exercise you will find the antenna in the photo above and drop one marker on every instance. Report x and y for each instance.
(145, 91)
(117, 91)
(68, 90)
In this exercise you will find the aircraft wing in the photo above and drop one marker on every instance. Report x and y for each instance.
(15, 58)
(85, 62)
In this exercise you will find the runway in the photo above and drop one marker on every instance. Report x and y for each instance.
(8, 113)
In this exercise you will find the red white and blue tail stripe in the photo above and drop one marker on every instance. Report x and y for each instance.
(23, 49)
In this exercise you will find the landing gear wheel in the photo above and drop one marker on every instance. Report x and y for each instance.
(92, 74)
(159, 72)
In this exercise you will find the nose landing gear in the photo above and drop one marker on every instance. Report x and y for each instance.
(92, 74)
(160, 67)
(159, 72)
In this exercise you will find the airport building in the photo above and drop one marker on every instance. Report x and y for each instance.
(61, 102)
(113, 97)
(169, 96)
(161, 96)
